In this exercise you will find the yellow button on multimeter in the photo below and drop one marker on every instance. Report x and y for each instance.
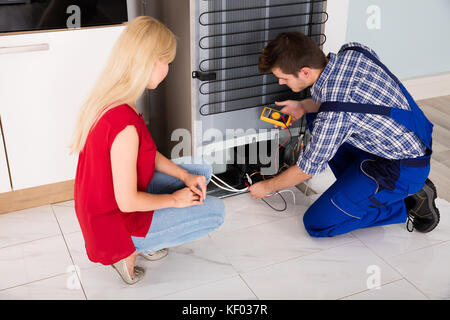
(275, 117)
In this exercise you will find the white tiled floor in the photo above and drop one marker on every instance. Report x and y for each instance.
(256, 254)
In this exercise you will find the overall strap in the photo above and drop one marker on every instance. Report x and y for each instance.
(354, 107)
(413, 119)
(369, 55)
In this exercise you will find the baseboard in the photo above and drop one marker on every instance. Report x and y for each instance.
(428, 87)
(36, 196)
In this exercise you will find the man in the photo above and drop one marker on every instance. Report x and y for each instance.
(365, 126)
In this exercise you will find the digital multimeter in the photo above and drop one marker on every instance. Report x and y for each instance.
(275, 117)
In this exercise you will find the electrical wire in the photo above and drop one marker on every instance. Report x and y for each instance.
(276, 152)
(289, 130)
(238, 191)
(227, 185)
(273, 208)
(287, 190)
(229, 188)
(226, 189)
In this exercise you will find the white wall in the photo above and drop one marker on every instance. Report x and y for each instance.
(336, 26)
(410, 36)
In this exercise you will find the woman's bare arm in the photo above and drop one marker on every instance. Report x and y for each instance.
(124, 152)
(164, 165)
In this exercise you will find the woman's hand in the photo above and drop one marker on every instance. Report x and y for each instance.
(186, 198)
(259, 190)
(192, 181)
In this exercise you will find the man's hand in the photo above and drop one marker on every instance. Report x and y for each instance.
(298, 108)
(292, 107)
(192, 181)
(259, 190)
(288, 178)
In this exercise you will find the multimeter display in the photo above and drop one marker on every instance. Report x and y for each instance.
(267, 112)
(275, 117)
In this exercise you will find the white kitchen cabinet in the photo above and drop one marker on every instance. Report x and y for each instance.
(42, 91)
(5, 185)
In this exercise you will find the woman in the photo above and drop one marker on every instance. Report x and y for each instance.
(129, 199)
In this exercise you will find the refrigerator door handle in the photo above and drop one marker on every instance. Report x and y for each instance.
(26, 48)
(204, 76)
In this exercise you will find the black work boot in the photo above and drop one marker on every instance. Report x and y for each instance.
(422, 210)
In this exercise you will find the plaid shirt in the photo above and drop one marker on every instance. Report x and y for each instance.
(352, 77)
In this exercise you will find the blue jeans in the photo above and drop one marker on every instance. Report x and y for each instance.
(175, 226)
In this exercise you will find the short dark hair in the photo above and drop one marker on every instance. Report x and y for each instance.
(291, 51)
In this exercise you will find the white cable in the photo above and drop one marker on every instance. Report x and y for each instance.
(306, 192)
(226, 189)
(232, 189)
(223, 188)
(227, 185)
(287, 190)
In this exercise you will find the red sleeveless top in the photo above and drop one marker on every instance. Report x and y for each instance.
(106, 230)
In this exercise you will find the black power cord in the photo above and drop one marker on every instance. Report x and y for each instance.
(250, 180)
(261, 177)
(279, 210)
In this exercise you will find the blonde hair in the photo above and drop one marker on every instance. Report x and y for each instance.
(126, 74)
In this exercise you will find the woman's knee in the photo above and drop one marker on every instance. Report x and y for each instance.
(195, 165)
(206, 170)
(216, 209)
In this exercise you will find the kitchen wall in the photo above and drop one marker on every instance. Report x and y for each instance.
(410, 36)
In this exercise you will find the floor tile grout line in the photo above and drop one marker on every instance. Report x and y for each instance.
(70, 254)
(353, 235)
(366, 290)
(412, 283)
(33, 281)
(255, 225)
(223, 254)
(426, 247)
(197, 286)
(296, 257)
(248, 286)
(413, 250)
(259, 224)
(63, 205)
(206, 283)
(41, 238)
(29, 241)
(398, 271)
(278, 216)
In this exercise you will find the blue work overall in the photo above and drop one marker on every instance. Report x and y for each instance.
(369, 190)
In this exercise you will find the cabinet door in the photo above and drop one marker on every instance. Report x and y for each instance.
(5, 185)
(42, 92)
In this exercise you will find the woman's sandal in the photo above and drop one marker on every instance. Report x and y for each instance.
(122, 270)
(155, 255)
